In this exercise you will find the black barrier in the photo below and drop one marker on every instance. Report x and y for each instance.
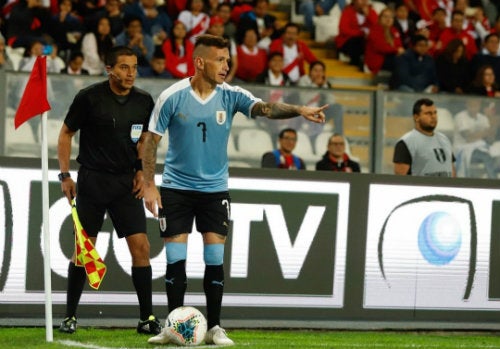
(304, 246)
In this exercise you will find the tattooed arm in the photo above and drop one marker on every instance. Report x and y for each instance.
(287, 111)
(152, 197)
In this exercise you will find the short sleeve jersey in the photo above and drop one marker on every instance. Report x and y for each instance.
(426, 155)
(110, 126)
(198, 132)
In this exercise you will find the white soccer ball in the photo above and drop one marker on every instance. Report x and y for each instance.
(186, 326)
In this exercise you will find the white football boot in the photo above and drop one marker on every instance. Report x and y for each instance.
(217, 335)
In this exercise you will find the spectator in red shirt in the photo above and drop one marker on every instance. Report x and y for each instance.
(383, 44)
(295, 52)
(475, 21)
(195, 19)
(174, 7)
(355, 23)
(239, 8)
(425, 8)
(252, 59)
(432, 29)
(456, 31)
(178, 50)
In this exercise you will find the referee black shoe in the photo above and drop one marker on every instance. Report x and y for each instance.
(68, 325)
(149, 326)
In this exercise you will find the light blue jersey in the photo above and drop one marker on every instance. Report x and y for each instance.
(198, 131)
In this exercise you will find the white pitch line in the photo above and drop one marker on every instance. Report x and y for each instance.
(75, 344)
(426, 346)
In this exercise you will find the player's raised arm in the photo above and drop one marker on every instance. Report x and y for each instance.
(287, 111)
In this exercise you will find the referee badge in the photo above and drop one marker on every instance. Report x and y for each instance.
(220, 117)
(135, 132)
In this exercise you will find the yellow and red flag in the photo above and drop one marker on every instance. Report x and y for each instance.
(86, 254)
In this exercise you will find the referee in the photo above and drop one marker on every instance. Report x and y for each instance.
(112, 117)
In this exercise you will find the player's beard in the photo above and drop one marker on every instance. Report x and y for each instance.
(428, 128)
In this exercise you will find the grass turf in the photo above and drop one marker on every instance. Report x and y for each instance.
(97, 338)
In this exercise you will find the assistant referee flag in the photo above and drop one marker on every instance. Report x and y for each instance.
(86, 254)
(34, 100)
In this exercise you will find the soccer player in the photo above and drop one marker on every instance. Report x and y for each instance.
(424, 151)
(112, 117)
(198, 112)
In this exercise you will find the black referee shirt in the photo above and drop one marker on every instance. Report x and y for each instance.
(109, 125)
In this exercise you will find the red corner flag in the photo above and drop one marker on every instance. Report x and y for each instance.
(34, 99)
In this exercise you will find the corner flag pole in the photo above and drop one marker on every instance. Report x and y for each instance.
(46, 232)
(34, 102)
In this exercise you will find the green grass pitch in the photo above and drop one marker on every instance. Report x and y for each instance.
(98, 338)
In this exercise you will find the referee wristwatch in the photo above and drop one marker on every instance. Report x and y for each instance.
(63, 175)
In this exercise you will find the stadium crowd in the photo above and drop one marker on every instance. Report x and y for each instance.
(423, 46)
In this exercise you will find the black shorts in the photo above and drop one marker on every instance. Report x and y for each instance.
(98, 192)
(210, 211)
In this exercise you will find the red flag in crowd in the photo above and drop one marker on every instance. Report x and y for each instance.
(34, 100)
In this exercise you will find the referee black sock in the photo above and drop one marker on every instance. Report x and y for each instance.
(213, 284)
(76, 282)
(175, 284)
(141, 277)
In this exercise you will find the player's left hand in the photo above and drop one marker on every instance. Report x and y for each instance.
(314, 114)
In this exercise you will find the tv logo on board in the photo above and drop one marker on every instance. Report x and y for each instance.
(282, 233)
(422, 247)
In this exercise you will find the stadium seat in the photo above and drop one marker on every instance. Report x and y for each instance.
(304, 148)
(15, 55)
(20, 142)
(321, 143)
(241, 164)
(295, 17)
(241, 121)
(253, 143)
(446, 124)
(53, 129)
(327, 26)
(495, 149)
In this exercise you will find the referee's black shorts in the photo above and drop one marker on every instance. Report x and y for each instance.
(210, 211)
(98, 192)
